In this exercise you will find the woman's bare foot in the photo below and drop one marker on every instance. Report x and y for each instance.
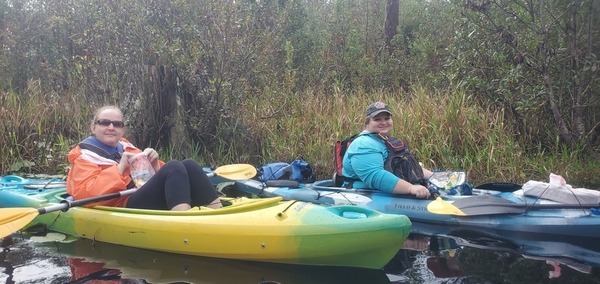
(181, 207)
(215, 204)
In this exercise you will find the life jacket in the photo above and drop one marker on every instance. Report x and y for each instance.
(400, 161)
(112, 153)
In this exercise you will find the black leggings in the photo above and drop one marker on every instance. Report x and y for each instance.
(175, 183)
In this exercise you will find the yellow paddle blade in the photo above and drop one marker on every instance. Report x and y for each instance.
(236, 171)
(14, 219)
(440, 206)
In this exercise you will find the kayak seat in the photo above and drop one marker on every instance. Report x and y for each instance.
(337, 180)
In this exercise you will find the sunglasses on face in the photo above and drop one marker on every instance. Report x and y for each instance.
(108, 122)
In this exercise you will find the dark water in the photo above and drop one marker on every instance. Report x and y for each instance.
(424, 259)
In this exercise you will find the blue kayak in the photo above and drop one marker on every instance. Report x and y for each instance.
(496, 212)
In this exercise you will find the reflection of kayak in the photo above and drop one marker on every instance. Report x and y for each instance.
(248, 229)
(537, 220)
(476, 257)
(580, 254)
(160, 267)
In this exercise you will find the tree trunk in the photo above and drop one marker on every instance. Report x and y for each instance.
(565, 133)
(391, 23)
(577, 114)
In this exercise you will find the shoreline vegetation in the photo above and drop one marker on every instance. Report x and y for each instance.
(505, 91)
(447, 129)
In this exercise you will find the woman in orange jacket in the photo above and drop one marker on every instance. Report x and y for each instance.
(100, 164)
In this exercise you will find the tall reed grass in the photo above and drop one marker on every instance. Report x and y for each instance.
(446, 129)
(38, 129)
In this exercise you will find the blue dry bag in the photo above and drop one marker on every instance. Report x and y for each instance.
(277, 170)
(299, 170)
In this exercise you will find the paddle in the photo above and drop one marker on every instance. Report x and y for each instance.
(493, 205)
(13, 219)
(282, 183)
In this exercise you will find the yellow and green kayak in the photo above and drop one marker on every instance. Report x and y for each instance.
(267, 230)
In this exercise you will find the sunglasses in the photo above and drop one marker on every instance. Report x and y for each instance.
(108, 122)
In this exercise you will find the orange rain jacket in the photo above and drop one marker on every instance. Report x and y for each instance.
(93, 175)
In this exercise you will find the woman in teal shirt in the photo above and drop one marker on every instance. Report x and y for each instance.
(365, 158)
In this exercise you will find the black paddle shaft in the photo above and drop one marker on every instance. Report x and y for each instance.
(67, 204)
(501, 186)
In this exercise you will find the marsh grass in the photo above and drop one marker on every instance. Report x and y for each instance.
(447, 130)
(38, 129)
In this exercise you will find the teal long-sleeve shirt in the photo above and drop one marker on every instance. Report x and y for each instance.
(364, 161)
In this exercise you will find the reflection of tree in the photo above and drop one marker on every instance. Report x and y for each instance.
(489, 265)
(8, 267)
(404, 263)
(528, 271)
(508, 267)
(19, 253)
(403, 260)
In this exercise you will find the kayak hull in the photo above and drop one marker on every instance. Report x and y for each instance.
(266, 230)
(548, 222)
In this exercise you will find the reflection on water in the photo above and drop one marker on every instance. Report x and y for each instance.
(456, 257)
(435, 254)
(87, 261)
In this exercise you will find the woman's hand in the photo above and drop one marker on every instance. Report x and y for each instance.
(419, 191)
(151, 154)
(153, 158)
(124, 163)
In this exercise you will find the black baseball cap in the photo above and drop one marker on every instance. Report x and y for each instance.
(377, 108)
